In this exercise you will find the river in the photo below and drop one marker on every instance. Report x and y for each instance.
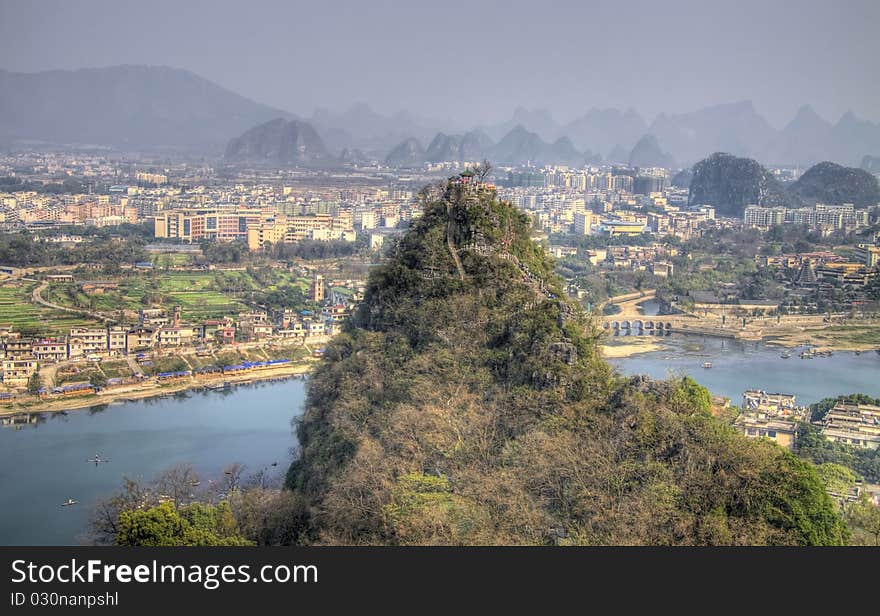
(740, 365)
(44, 464)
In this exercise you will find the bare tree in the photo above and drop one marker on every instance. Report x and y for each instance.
(104, 520)
(231, 480)
(482, 170)
(177, 483)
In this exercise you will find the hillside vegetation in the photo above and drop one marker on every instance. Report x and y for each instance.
(467, 403)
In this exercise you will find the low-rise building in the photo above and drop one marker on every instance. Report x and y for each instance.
(759, 425)
(857, 425)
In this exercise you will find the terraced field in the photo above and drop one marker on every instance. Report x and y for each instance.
(195, 292)
(200, 294)
(17, 309)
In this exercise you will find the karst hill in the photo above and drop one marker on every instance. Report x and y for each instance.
(467, 403)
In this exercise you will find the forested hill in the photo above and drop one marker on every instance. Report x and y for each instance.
(467, 403)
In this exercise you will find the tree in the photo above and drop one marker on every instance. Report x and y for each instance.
(863, 518)
(35, 383)
(104, 522)
(98, 380)
(166, 525)
(482, 170)
(836, 477)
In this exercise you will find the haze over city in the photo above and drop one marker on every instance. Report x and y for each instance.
(466, 63)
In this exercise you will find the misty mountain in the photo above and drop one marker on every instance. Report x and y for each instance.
(647, 153)
(736, 128)
(871, 164)
(353, 157)
(125, 106)
(520, 146)
(279, 142)
(834, 184)
(803, 141)
(408, 153)
(604, 130)
(618, 154)
(472, 146)
(730, 183)
(362, 127)
(538, 121)
(809, 139)
(853, 138)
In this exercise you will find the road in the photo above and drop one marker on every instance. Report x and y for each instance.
(37, 297)
(629, 303)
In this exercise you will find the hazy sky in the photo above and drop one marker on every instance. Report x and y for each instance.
(475, 61)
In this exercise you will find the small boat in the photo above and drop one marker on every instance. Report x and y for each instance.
(785, 355)
(96, 460)
(707, 364)
(69, 502)
(274, 463)
(858, 352)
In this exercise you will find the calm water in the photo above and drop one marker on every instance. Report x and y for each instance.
(43, 465)
(738, 365)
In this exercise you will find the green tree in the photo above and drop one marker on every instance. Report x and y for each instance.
(863, 518)
(197, 524)
(836, 477)
(97, 379)
(35, 383)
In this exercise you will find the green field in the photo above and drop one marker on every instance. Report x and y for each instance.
(200, 294)
(116, 369)
(17, 308)
(197, 294)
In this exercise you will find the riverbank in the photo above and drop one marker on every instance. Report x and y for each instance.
(859, 336)
(154, 389)
(627, 346)
(831, 337)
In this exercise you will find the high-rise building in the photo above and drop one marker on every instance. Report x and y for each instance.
(583, 223)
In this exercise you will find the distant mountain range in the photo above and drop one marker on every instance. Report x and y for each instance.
(137, 107)
(519, 146)
(127, 107)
